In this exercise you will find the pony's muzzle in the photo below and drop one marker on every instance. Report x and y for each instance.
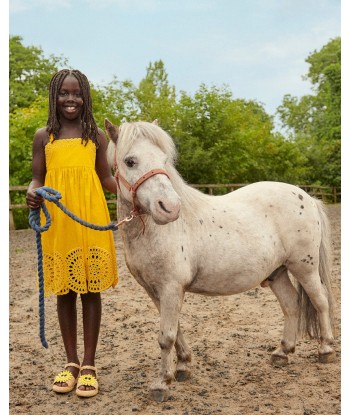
(166, 210)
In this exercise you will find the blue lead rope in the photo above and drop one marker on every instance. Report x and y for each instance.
(34, 221)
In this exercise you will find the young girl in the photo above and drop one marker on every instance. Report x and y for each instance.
(69, 155)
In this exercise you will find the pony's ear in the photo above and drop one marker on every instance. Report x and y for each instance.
(112, 130)
(155, 122)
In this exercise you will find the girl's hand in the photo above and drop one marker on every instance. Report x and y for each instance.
(33, 200)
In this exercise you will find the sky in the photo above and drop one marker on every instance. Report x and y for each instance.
(255, 47)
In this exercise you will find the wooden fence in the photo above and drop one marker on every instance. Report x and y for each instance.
(327, 194)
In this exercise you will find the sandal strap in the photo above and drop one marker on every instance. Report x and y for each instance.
(89, 367)
(72, 364)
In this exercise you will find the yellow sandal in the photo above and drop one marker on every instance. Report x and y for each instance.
(87, 380)
(65, 377)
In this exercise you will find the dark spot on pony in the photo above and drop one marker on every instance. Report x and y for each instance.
(220, 226)
(300, 196)
(302, 207)
(201, 221)
(182, 248)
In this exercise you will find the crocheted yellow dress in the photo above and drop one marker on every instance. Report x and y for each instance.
(76, 257)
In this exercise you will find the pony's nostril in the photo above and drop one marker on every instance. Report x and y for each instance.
(161, 204)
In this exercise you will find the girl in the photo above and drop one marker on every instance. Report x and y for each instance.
(69, 155)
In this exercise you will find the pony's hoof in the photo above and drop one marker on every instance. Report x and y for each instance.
(182, 375)
(279, 360)
(327, 357)
(159, 395)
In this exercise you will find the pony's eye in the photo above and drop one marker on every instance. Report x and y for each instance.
(130, 162)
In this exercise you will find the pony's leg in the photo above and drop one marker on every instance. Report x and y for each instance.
(170, 306)
(183, 352)
(316, 292)
(287, 296)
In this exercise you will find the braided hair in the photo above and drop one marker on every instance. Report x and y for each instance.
(90, 130)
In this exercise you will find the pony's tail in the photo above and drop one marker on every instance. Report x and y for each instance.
(308, 318)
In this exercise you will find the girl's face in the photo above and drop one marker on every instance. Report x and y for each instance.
(70, 99)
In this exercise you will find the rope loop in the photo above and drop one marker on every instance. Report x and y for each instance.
(52, 195)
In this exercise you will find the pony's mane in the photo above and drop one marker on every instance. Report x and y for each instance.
(192, 200)
(129, 133)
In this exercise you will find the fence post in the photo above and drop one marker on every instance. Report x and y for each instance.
(12, 221)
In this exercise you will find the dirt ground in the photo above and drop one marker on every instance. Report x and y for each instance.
(231, 339)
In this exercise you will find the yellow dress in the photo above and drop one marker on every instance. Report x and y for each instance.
(76, 257)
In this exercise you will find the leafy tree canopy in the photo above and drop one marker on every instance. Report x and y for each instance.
(220, 139)
(30, 73)
(314, 121)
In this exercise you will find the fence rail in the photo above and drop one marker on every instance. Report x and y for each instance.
(327, 194)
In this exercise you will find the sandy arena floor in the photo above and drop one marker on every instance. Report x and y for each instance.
(231, 339)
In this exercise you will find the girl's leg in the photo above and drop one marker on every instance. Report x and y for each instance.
(67, 317)
(92, 310)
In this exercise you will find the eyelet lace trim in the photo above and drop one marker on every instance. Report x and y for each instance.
(94, 273)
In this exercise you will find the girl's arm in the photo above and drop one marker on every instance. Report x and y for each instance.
(102, 168)
(38, 168)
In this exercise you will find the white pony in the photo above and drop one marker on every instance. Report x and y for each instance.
(217, 245)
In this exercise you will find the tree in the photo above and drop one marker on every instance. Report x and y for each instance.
(227, 140)
(30, 73)
(154, 96)
(115, 101)
(220, 139)
(23, 124)
(314, 121)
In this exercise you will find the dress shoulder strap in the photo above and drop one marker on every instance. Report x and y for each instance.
(51, 138)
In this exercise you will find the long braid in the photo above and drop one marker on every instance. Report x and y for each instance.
(89, 127)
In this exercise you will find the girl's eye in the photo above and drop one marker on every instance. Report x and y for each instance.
(65, 94)
(130, 162)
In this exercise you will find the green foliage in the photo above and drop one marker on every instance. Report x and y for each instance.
(30, 73)
(23, 124)
(314, 121)
(115, 101)
(220, 139)
(154, 96)
(223, 140)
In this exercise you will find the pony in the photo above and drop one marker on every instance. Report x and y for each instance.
(178, 239)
